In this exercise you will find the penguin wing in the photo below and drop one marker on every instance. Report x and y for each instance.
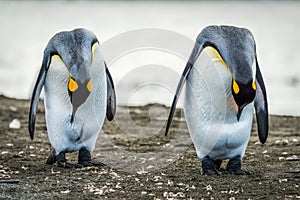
(261, 107)
(195, 53)
(111, 96)
(36, 93)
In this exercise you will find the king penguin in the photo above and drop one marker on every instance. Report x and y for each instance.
(224, 86)
(79, 93)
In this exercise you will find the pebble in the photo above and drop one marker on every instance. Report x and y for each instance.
(283, 180)
(65, 191)
(170, 183)
(156, 178)
(257, 143)
(295, 141)
(12, 108)
(292, 158)
(118, 186)
(15, 124)
(172, 195)
(114, 174)
(281, 158)
(282, 142)
(209, 188)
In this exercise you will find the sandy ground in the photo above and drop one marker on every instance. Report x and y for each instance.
(151, 174)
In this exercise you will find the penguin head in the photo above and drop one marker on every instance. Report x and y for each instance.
(236, 47)
(243, 94)
(76, 50)
(242, 65)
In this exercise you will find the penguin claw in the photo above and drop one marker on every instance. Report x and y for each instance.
(91, 163)
(239, 172)
(68, 165)
(210, 172)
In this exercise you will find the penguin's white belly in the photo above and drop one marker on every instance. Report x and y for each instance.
(210, 111)
(89, 117)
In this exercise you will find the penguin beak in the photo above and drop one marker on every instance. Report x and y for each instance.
(239, 113)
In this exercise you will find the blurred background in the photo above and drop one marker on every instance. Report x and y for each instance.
(27, 26)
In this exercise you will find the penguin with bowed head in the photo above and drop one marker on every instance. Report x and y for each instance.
(79, 93)
(224, 86)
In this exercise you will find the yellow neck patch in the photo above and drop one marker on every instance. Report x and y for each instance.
(73, 86)
(94, 47)
(214, 53)
(235, 86)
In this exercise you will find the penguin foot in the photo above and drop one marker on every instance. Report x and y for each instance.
(52, 158)
(218, 164)
(62, 161)
(85, 159)
(234, 167)
(210, 167)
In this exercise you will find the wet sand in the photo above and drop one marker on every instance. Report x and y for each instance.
(275, 166)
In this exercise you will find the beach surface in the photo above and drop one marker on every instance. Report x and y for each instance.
(132, 147)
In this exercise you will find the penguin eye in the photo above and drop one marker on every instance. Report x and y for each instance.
(253, 85)
(89, 86)
(73, 86)
(94, 47)
(235, 87)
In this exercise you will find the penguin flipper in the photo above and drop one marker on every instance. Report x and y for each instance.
(36, 93)
(111, 96)
(195, 53)
(261, 107)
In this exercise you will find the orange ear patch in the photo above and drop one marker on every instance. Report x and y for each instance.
(253, 85)
(89, 86)
(235, 87)
(73, 86)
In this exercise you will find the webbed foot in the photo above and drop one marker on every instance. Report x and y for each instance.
(85, 158)
(210, 167)
(234, 167)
